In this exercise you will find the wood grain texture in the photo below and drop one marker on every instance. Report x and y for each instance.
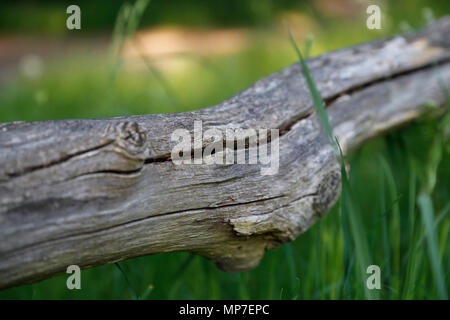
(91, 192)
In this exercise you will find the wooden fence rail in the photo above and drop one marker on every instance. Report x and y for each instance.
(91, 192)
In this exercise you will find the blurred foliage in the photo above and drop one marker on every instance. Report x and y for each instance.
(386, 174)
(49, 16)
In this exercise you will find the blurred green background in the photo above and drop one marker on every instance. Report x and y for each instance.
(190, 54)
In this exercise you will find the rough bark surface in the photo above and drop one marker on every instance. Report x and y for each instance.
(91, 192)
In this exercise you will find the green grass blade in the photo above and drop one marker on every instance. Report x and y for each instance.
(437, 221)
(131, 290)
(308, 45)
(355, 223)
(291, 266)
(126, 25)
(427, 212)
(413, 256)
(385, 241)
(147, 292)
(318, 103)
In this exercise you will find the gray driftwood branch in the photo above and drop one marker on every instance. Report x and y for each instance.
(91, 192)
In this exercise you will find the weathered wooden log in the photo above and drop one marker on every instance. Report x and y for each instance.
(91, 192)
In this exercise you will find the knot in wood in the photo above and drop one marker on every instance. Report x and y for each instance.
(131, 137)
